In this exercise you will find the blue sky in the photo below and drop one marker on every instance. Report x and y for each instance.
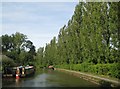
(40, 21)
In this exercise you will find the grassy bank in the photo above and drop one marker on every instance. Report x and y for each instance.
(103, 74)
(111, 70)
(103, 82)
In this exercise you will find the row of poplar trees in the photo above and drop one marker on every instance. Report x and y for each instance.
(91, 36)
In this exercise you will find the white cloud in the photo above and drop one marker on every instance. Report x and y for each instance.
(38, 35)
(40, 40)
(21, 17)
(0, 29)
(60, 0)
(21, 13)
(39, 21)
(39, 0)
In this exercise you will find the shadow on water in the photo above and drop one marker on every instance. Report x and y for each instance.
(105, 84)
(47, 78)
(13, 82)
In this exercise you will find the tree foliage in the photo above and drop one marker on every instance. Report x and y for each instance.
(18, 48)
(91, 36)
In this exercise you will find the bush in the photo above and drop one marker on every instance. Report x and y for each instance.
(112, 70)
(6, 61)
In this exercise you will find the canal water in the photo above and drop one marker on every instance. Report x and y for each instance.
(47, 78)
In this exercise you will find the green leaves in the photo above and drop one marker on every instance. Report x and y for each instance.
(6, 61)
(91, 37)
(18, 48)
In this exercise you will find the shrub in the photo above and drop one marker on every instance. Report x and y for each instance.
(112, 70)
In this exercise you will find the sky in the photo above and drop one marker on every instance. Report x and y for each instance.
(40, 21)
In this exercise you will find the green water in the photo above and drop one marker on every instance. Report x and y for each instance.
(47, 78)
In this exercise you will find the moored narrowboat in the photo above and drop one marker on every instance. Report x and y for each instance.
(20, 71)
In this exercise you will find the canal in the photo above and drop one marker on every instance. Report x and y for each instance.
(47, 78)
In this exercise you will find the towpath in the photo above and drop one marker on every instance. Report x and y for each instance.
(117, 81)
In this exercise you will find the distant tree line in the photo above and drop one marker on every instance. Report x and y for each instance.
(18, 49)
(90, 42)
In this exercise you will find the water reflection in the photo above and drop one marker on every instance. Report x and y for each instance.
(47, 78)
(17, 83)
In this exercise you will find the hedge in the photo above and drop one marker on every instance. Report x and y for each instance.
(112, 70)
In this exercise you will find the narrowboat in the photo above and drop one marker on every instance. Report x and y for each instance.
(20, 71)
